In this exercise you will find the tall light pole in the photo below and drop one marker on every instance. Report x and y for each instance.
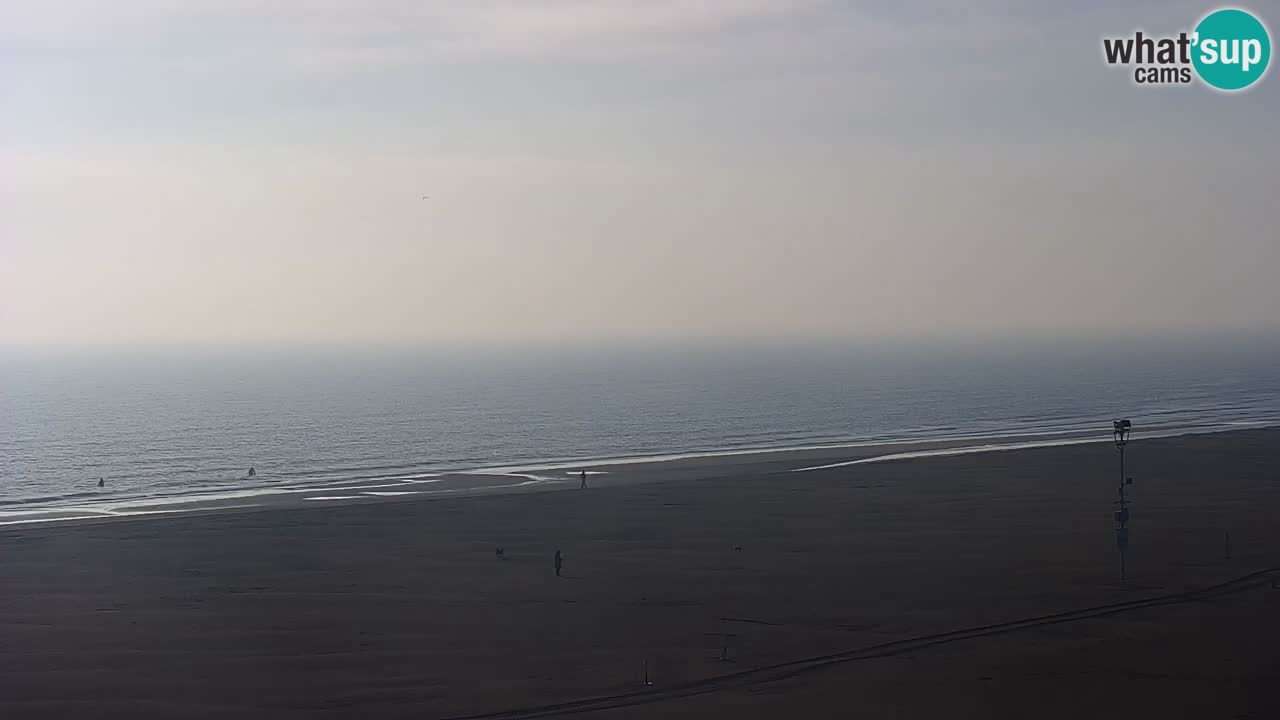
(1120, 432)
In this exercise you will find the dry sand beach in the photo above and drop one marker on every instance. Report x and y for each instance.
(838, 593)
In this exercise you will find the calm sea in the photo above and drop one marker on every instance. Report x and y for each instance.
(177, 422)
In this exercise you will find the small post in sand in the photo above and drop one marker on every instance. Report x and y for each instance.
(647, 681)
(724, 643)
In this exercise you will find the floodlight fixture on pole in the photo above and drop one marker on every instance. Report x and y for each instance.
(1120, 431)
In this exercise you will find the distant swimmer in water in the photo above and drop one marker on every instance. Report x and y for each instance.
(101, 482)
(252, 472)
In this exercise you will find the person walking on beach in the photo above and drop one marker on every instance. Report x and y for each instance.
(584, 479)
(559, 561)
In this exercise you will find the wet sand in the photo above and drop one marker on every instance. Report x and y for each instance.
(395, 606)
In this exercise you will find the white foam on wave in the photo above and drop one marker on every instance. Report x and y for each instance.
(128, 513)
(32, 521)
(537, 478)
(572, 466)
(943, 452)
(349, 488)
(114, 513)
(532, 480)
(998, 447)
(123, 506)
(165, 504)
(332, 497)
(349, 478)
(21, 513)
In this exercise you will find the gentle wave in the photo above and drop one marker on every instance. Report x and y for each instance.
(143, 505)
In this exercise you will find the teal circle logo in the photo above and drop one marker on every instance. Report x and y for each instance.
(1231, 49)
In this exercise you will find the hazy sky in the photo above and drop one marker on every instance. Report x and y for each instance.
(246, 169)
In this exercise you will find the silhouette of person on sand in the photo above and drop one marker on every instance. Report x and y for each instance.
(584, 479)
(559, 561)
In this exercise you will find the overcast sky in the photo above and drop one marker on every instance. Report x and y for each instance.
(219, 170)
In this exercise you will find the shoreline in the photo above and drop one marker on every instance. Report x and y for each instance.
(537, 476)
